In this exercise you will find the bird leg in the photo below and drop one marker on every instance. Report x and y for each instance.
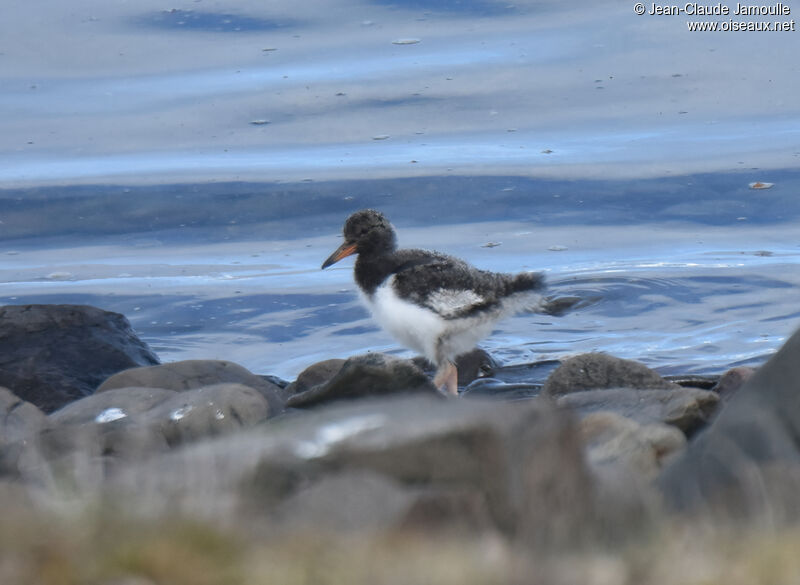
(447, 377)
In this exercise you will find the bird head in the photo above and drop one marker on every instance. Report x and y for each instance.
(365, 231)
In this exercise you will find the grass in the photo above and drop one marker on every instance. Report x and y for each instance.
(108, 546)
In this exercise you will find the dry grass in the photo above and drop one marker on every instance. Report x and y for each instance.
(108, 547)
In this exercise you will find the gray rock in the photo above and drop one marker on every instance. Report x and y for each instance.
(111, 405)
(19, 420)
(367, 375)
(207, 412)
(731, 381)
(113, 424)
(361, 501)
(471, 366)
(613, 440)
(746, 465)
(51, 355)
(593, 371)
(686, 408)
(131, 423)
(522, 462)
(314, 375)
(193, 374)
(352, 501)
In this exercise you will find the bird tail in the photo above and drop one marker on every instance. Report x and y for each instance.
(527, 282)
(525, 289)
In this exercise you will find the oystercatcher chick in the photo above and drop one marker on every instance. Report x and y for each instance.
(435, 304)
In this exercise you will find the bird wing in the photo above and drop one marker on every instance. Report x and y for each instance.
(444, 284)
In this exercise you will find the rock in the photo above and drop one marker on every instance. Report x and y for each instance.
(360, 501)
(593, 371)
(207, 412)
(193, 374)
(746, 465)
(371, 374)
(111, 424)
(731, 381)
(560, 306)
(122, 425)
(473, 365)
(51, 355)
(520, 462)
(111, 405)
(686, 408)
(19, 420)
(314, 375)
(613, 440)
(353, 501)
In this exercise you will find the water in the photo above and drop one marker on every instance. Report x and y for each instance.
(190, 167)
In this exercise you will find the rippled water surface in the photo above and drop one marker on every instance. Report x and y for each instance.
(191, 165)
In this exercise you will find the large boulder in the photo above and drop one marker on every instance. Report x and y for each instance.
(594, 371)
(519, 465)
(746, 465)
(686, 408)
(615, 441)
(123, 425)
(19, 420)
(367, 375)
(314, 375)
(102, 428)
(194, 374)
(51, 355)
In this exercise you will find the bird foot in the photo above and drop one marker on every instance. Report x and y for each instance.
(447, 378)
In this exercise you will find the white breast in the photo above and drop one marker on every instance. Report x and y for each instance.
(413, 326)
(425, 331)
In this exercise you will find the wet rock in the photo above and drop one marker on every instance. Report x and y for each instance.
(207, 412)
(276, 380)
(593, 371)
(366, 375)
(193, 374)
(51, 355)
(473, 365)
(686, 408)
(613, 440)
(559, 306)
(494, 388)
(522, 461)
(746, 465)
(314, 375)
(704, 382)
(731, 381)
(532, 373)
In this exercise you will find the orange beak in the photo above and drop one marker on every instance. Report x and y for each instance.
(343, 251)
